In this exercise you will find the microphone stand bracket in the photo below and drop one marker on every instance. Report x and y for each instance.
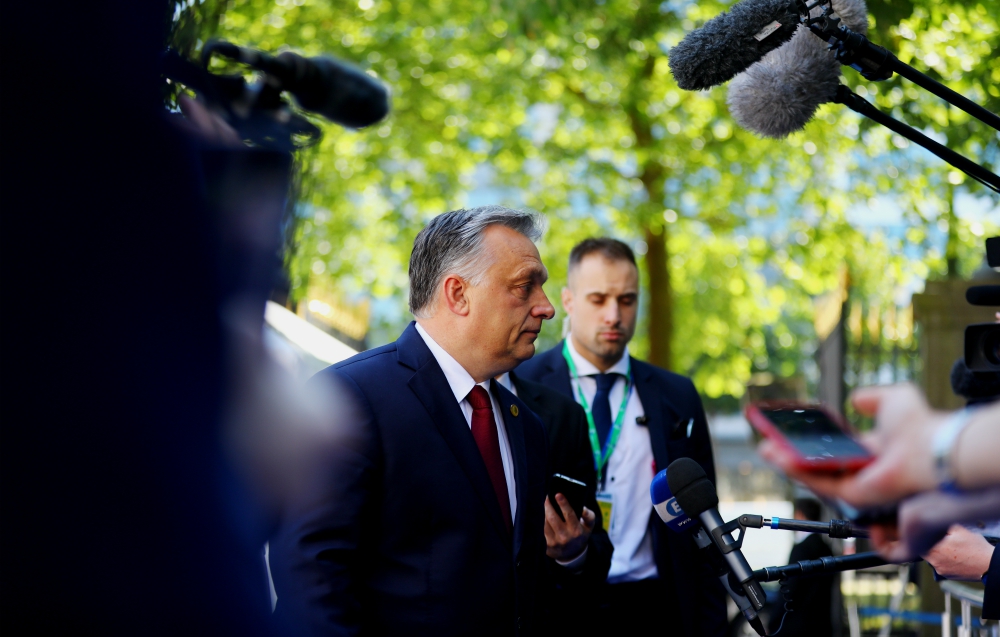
(730, 545)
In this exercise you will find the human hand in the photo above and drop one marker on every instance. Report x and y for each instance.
(566, 539)
(961, 555)
(206, 124)
(901, 443)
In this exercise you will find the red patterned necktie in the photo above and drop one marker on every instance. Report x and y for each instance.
(484, 430)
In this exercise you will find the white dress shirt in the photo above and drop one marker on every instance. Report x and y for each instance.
(461, 383)
(627, 477)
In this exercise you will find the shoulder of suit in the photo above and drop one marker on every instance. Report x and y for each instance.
(662, 375)
(532, 367)
(365, 356)
(549, 395)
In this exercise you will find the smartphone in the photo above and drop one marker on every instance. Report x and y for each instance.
(820, 440)
(574, 490)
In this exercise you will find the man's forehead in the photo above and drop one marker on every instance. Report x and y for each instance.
(513, 252)
(598, 274)
(511, 246)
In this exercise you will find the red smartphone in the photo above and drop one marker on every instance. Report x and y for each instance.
(820, 440)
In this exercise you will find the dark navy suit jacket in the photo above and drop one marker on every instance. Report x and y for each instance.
(991, 598)
(406, 535)
(670, 401)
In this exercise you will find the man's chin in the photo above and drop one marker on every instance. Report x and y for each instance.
(612, 352)
(524, 351)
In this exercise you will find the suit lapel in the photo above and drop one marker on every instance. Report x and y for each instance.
(660, 416)
(431, 387)
(527, 395)
(519, 454)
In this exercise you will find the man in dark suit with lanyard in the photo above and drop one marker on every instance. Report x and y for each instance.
(431, 521)
(640, 418)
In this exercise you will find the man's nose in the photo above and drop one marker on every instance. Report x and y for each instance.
(612, 313)
(543, 308)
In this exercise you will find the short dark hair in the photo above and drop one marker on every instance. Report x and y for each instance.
(808, 507)
(610, 249)
(452, 243)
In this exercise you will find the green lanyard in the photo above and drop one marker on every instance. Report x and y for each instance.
(600, 459)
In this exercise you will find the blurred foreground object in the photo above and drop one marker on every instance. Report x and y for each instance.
(300, 346)
(918, 450)
(340, 92)
(146, 436)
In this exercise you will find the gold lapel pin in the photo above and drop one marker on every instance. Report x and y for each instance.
(513, 410)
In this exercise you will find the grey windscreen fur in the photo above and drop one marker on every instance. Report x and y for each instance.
(725, 45)
(780, 94)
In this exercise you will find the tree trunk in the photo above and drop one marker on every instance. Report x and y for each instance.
(650, 216)
(661, 302)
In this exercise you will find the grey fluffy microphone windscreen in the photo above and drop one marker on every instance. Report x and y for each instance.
(779, 94)
(732, 41)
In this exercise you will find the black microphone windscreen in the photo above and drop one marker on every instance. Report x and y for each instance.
(338, 91)
(688, 482)
(732, 41)
(779, 94)
(983, 295)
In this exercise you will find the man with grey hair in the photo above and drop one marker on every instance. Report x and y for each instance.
(431, 520)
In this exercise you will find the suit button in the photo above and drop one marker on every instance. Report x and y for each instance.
(520, 624)
(518, 565)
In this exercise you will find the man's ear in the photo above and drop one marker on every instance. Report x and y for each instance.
(567, 299)
(455, 291)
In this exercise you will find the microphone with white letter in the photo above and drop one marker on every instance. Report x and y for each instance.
(674, 517)
(697, 497)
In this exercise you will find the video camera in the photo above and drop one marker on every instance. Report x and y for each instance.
(340, 92)
(982, 340)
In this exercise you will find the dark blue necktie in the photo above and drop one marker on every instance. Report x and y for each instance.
(601, 409)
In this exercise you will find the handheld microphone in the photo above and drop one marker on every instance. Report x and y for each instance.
(732, 41)
(696, 496)
(676, 520)
(340, 92)
(778, 95)
(983, 295)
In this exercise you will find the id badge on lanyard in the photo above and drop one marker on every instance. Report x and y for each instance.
(606, 502)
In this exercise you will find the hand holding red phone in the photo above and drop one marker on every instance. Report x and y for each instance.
(900, 443)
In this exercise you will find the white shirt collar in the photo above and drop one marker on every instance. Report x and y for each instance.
(460, 381)
(586, 368)
(504, 379)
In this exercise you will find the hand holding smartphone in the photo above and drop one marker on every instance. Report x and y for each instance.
(820, 440)
(574, 490)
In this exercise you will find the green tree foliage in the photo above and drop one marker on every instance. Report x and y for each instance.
(568, 107)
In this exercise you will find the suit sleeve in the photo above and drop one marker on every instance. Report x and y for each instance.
(991, 597)
(700, 443)
(317, 554)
